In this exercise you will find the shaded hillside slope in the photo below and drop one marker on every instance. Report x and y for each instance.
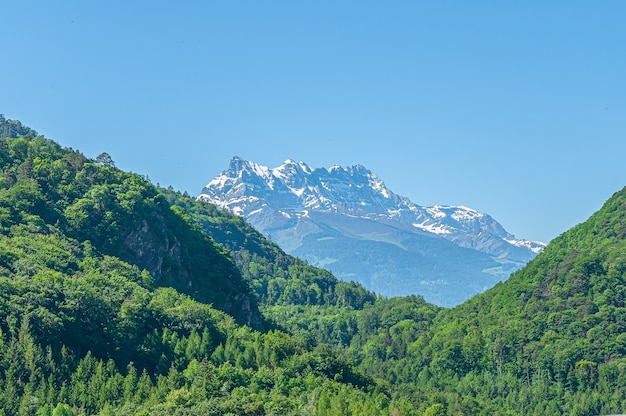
(120, 214)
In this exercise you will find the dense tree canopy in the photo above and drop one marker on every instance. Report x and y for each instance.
(120, 298)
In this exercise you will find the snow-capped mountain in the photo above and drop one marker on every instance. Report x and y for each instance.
(346, 220)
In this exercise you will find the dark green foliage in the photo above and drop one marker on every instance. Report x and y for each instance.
(550, 340)
(13, 128)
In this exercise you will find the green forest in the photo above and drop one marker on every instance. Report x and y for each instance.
(119, 297)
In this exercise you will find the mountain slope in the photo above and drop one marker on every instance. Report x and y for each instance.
(118, 214)
(574, 290)
(346, 220)
(553, 335)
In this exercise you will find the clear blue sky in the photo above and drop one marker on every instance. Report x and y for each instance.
(517, 109)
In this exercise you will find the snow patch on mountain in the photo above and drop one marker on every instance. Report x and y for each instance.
(534, 246)
(433, 228)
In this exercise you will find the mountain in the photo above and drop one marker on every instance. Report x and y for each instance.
(118, 214)
(346, 220)
(121, 298)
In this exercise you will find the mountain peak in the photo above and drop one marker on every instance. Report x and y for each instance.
(291, 167)
(236, 164)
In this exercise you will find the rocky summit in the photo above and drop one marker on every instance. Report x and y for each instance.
(346, 220)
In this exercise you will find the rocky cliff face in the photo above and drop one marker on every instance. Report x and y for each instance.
(170, 252)
(346, 220)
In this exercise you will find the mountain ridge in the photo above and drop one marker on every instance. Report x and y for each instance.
(304, 209)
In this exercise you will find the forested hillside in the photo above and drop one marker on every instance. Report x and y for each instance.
(105, 297)
(120, 214)
(120, 298)
(550, 340)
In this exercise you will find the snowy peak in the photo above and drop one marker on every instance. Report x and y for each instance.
(293, 189)
(305, 188)
(345, 219)
(292, 175)
(457, 222)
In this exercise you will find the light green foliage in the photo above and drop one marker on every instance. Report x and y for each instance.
(120, 298)
(45, 189)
